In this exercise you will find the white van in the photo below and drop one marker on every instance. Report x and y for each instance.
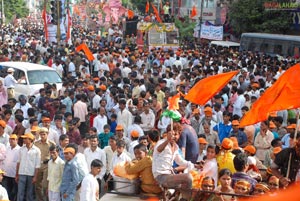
(35, 76)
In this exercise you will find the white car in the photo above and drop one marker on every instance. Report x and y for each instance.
(35, 76)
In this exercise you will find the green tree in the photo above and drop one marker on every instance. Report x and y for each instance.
(15, 7)
(140, 5)
(250, 16)
(185, 28)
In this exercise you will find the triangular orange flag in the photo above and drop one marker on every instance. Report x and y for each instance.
(89, 55)
(156, 13)
(194, 12)
(130, 14)
(283, 94)
(147, 7)
(173, 102)
(206, 88)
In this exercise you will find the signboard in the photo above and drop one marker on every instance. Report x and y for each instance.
(211, 32)
(284, 5)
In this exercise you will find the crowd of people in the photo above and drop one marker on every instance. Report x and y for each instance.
(63, 144)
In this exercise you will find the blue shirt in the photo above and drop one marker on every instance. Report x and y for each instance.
(68, 102)
(285, 141)
(70, 180)
(240, 135)
(223, 130)
(113, 126)
(104, 138)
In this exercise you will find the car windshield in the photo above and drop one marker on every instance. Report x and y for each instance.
(41, 76)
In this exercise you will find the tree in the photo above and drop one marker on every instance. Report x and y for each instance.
(250, 16)
(140, 5)
(185, 28)
(16, 8)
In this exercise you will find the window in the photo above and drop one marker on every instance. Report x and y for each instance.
(41, 76)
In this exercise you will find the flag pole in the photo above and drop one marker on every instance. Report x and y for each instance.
(295, 137)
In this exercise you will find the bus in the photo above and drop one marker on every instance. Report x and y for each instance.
(271, 44)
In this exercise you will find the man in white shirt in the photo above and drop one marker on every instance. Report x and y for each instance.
(52, 134)
(90, 187)
(55, 171)
(9, 166)
(28, 164)
(100, 120)
(119, 156)
(23, 105)
(94, 97)
(94, 152)
(239, 103)
(148, 118)
(135, 126)
(4, 137)
(124, 117)
(10, 83)
(165, 153)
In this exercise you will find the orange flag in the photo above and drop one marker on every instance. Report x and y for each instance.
(156, 13)
(283, 94)
(194, 12)
(147, 7)
(44, 16)
(173, 102)
(130, 14)
(206, 88)
(86, 51)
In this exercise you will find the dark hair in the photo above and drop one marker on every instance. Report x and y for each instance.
(114, 116)
(7, 111)
(144, 137)
(67, 114)
(93, 129)
(214, 147)
(97, 163)
(31, 111)
(20, 118)
(275, 142)
(93, 137)
(113, 138)
(154, 135)
(63, 137)
(141, 147)
(32, 120)
(106, 126)
(54, 147)
(121, 143)
(225, 171)
(240, 161)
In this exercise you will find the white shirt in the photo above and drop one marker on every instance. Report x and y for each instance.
(10, 163)
(124, 118)
(29, 160)
(238, 104)
(163, 161)
(210, 168)
(109, 154)
(53, 135)
(118, 159)
(134, 127)
(55, 172)
(4, 139)
(3, 193)
(89, 188)
(96, 101)
(97, 154)
(131, 148)
(72, 69)
(163, 124)
(99, 122)
(24, 108)
(148, 120)
(10, 81)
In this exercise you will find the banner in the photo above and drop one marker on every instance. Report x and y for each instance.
(211, 32)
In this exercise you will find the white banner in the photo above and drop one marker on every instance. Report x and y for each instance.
(211, 32)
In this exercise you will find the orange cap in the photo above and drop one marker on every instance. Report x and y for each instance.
(134, 134)
(46, 119)
(201, 140)
(227, 143)
(34, 128)
(273, 114)
(13, 136)
(272, 125)
(28, 135)
(251, 149)
(102, 87)
(91, 88)
(276, 150)
(235, 123)
(2, 123)
(235, 143)
(256, 85)
(292, 126)
(69, 150)
(119, 127)
(208, 111)
(96, 78)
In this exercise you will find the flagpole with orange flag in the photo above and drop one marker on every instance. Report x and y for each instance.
(156, 13)
(194, 12)
(283, 94)
(206, 88)
(147, 7)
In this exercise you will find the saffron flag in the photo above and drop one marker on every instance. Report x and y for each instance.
(173, 102)
(44, 16)
(86, 51)
(283, 94)
(68, 36)
(130, 14)
(291, 194)
(147, 7)
(194, 12)
(206, 88)
(156, 13)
